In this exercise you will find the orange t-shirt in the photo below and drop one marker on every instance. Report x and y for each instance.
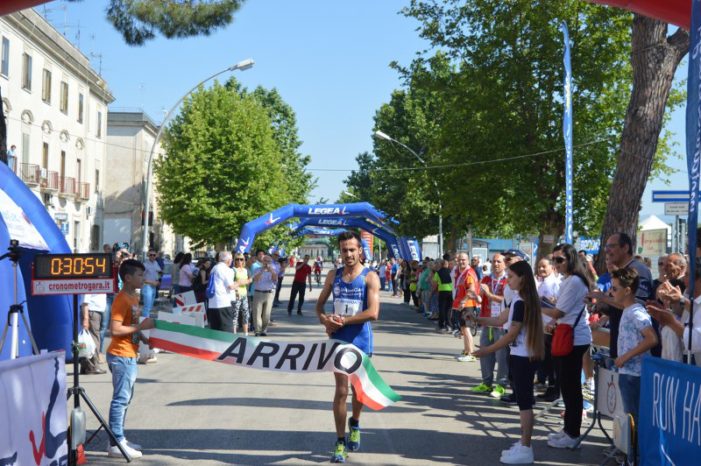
(466, 281)
(122, 312)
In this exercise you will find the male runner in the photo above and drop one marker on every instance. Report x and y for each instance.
(356, 302)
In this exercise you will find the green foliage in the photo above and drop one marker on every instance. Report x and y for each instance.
(484, 108)
(139, 20)
(223, 167)
(284, 124)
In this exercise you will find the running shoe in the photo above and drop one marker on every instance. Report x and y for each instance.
(498, 392)
(353, 436)
(518, 454)
(562, 442)
(556, 435)
(464, 357)
(339, 454)
(481, 388)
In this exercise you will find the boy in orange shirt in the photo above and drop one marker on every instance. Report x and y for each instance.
(122, 352)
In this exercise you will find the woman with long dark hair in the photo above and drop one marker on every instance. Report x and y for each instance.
(201, 279)
(570, 310)
(186, 273)
(526, 341)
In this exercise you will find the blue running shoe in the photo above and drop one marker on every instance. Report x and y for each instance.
(339, 454)
(353, 436)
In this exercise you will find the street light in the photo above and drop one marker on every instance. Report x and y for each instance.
(381, 135)
(240, 66)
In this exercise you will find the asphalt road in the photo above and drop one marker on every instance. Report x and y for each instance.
(187, 411)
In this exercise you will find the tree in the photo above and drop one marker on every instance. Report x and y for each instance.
(223, 167)
(283, 120)
(139, 20)
(499, 142)
(654, 58)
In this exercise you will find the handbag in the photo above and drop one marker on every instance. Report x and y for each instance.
(563, 337)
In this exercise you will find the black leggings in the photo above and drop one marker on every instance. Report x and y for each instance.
(522, 370)
(569, 375)
(445, 299)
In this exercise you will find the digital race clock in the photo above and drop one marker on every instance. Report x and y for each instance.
(73, 274)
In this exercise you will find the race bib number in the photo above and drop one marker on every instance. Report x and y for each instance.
(347, 307)
(495, 309)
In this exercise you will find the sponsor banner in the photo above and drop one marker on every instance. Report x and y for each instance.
(309, 356)
(693, 143)
(567, 135)
(73, 286)
(33, 416)
(369, 238)
(669, 427)
(18, 225)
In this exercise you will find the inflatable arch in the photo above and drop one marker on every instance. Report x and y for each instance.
(383, 232)
(362, 210)
(23, 217)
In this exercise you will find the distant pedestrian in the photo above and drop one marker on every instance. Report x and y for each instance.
(220, 314)
(264, 281)
(303, 275)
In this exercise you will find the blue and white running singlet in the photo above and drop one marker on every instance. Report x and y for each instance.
(350, 299)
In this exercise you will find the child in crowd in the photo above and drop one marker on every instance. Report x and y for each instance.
(635, 337)
(122, 352)
(526, 341)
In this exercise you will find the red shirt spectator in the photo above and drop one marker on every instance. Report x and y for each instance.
(496, 287)
(302, 272)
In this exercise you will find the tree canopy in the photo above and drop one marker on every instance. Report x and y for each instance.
(484, 108)
(140, 20)
(224, 166)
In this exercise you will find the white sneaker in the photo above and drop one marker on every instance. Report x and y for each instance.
(114, 452)
(467, 358)
(135, 446)
(512, 447)
(562, 442)
(518, 455)
(556, 435)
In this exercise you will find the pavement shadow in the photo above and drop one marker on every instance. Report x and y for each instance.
(263, 447)
(282, 403)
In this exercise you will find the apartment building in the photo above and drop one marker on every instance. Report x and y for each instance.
(130, 138)
(55, 107)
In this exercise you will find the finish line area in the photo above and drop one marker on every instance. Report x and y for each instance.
(189, 411)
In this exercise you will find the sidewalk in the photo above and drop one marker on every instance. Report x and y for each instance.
(187, 411)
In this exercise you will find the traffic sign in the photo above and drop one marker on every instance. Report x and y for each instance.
(670, 196)
(676, 208)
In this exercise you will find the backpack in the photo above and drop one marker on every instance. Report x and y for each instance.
(210, 291)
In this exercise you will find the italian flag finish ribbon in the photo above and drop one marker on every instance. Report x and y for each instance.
(309, 356)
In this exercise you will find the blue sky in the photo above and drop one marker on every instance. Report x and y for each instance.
(328, 59)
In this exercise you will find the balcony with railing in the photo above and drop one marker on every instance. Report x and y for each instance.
(83, 191)
(30, 173)
(66, 186)
(49, 181)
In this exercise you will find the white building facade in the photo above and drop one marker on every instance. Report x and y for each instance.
(130, 137)
(55, 107)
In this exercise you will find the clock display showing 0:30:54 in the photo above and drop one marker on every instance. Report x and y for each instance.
(47, 266)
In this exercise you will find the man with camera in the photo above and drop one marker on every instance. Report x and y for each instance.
(264, 283)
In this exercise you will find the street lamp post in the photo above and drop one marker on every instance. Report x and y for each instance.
(380, 135)
(241, 66)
